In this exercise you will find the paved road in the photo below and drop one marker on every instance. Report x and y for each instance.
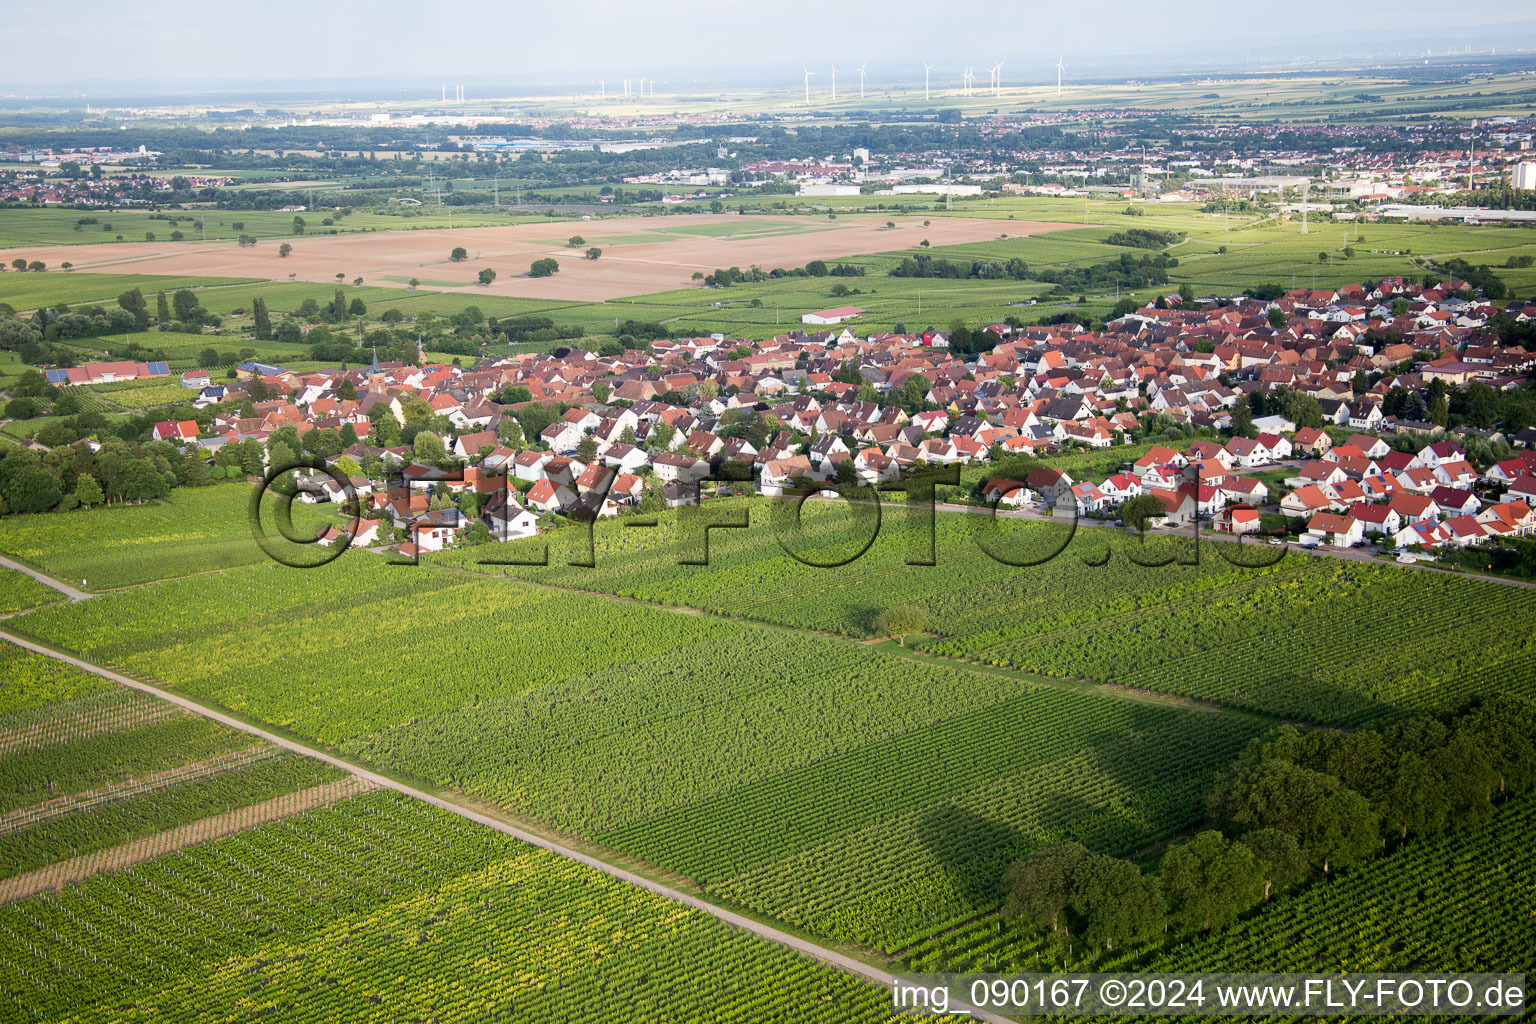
(794, 942)
(47, 581)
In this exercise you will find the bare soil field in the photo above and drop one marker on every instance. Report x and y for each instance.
(641, 255)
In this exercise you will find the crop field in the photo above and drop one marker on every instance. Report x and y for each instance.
(32, 291)
(19, 591)
(196, 529)
(688, 741)
(60, 227)
(1212, 630)
(86, 767)
(658, 257)
(29, 681)
(382, 901)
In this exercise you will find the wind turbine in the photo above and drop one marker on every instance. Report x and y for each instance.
(966, 78)
(997, 77)
(926, 68)
(808, 74)
(861, 80)
(1060, 62)
(834, 81)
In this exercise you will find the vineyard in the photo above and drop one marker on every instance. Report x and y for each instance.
(19, 591)
(1271, 640)
(802, 776)
(86, 766)
(722, 723)
(379, 901)
(1475, 903)
(195, 529)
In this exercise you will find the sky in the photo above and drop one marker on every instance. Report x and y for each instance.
(183, 44)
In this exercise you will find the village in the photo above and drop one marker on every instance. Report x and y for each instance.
(434, 451)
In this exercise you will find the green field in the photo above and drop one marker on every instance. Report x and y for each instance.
(194, 530)
(19, 591)
(32, 291)
(382, 901)
(1267, 252)
(1254, 638)
(19, 227)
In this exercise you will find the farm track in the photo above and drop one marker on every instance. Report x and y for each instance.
(363, 780)
(78, 869)
(80, 725)
(58, 807)
(47, 581)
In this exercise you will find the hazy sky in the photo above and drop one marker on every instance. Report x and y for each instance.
(54, 47)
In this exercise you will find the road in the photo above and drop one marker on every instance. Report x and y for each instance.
(802, 946)
(47, 581)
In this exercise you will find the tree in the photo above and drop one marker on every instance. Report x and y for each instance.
(88, 491)
(357, 308)
(1138, 510)
(899, 620)
(1209, 881)
(27, 486)
(1277, 317)
(1242, 419)
(263, 321)
(1115, 902)
(487, 275)
(593, 253)
(428, 448)
(184, 302)
(1280, 860)
(1416, 798)
(208, 358)
(600, 391)
(1332, 824)
(543, 268)
(284, 250)
(586, 450)
(280, 456)
(162, 308)
(575, 242)
(459, 254)
(133, 302)
(1038, 889)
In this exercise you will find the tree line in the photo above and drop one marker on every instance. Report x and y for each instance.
(1299, 804)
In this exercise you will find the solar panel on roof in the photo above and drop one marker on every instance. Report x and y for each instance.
(160, 367)
(57, 376)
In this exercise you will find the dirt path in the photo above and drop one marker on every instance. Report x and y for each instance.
(59, 806)
(369, 780)
(78, 869)
(83, 724)
(47, 581)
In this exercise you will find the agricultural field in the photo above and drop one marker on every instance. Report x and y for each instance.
(681, 739)
(1212, 631)
(33, 291)
(645, 255)
(194, 530)
(88, 768)
(18, 591)
(59, 227)
(377, 901)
